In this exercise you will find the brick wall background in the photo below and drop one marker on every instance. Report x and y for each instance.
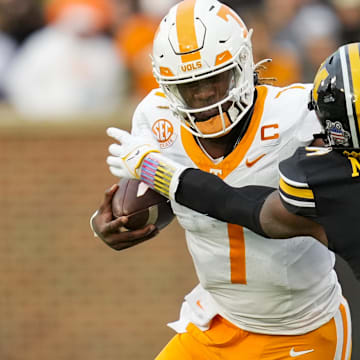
(63, 294)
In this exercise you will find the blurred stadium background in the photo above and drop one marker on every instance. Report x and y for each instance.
(64, 294)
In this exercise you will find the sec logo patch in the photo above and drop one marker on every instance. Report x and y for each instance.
(164, 132)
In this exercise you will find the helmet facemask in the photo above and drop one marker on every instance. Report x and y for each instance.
(212, 103)
(204, 46)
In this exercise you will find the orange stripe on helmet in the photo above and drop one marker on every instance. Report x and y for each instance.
(225, 11)
(191, 57)
(186, 32)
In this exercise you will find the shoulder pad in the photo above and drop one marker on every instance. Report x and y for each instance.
(291, 170)
(294, 189)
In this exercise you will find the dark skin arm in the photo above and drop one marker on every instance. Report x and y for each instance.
(111, 230)
(259, 208)
(277, 222)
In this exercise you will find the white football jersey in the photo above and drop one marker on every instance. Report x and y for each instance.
(260, 285)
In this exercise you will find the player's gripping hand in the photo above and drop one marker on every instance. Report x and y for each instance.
(112, 231)
(126, 157)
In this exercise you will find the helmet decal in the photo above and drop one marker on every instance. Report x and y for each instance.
(337, 134)
(191, 66)
(223, 57)
(165, 71)
(320, 76)
(336, 96)
(225, 11)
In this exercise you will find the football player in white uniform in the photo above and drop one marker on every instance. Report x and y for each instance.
(257, 298)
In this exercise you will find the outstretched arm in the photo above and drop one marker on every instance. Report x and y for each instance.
(258, 208)
(280, 223)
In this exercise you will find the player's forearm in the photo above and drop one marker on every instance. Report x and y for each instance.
(278, 222)
(208, 194)
(258, 208)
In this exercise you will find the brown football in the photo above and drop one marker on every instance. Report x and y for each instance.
(141, 204)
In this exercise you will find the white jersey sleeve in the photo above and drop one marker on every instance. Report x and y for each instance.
(149, 110)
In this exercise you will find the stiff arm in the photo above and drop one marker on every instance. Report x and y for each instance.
(258, 208)
(250, 206)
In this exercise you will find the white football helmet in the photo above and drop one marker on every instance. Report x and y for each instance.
(202, 59)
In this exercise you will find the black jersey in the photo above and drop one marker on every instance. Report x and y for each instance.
(325, 185)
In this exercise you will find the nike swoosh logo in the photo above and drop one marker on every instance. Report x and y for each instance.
(133, 156)
(294, 353)
(253, 162)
